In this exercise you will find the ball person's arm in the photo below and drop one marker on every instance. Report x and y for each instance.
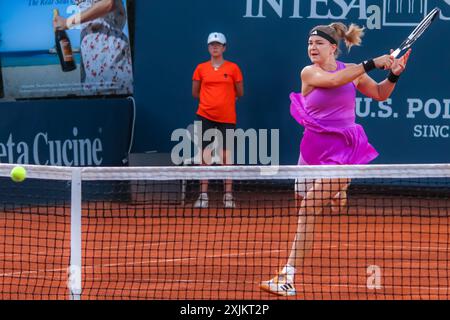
(239, 89)
(196, 88)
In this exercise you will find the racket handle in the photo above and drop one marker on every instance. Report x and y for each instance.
(395, 53)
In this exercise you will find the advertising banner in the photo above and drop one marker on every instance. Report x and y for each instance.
(59, 48)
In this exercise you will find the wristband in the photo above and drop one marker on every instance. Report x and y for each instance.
(392, 77)
(368, 65)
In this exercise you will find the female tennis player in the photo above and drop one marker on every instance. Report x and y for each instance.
(217, 84)
(326, 109)
(106, 56)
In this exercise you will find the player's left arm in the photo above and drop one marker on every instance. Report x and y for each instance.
(382, 90)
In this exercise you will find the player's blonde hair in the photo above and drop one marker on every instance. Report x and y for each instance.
(338, 31)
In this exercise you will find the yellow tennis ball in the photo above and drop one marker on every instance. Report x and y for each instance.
(18, 174)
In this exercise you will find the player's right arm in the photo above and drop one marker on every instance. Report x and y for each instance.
(382, 90)
(314, 76)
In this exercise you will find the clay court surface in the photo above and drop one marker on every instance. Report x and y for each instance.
(132, 251)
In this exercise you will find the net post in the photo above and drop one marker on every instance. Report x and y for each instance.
(74, 281)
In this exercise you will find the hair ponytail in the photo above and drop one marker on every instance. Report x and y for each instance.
(351, 35)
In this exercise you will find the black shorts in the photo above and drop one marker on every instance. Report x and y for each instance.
(219, 126)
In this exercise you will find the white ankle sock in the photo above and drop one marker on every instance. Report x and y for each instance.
(289, 271)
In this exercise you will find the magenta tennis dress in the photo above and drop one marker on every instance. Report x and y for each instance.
(331, 135)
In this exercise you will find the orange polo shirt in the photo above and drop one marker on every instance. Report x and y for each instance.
(218, 91)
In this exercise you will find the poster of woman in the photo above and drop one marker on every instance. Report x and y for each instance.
(90, 35)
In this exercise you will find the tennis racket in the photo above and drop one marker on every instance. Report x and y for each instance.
(417, 32)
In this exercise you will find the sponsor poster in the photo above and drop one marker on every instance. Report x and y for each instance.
(85, 56)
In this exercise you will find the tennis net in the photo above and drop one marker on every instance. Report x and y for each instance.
(363, 232)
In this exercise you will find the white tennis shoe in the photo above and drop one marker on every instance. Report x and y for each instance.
(202, 201)
(228, 201)
(279, 285)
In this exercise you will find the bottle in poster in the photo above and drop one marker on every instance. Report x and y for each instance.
(64, 48)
